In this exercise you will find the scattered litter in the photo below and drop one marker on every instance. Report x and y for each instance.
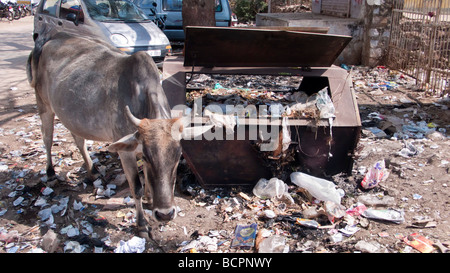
(368, 247)
(419, 242)
(73, 247)
(273, 244)
(134, 245)
(391, 215)
(410, 150)
(266, 189)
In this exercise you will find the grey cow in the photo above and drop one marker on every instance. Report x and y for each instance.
(102, 94)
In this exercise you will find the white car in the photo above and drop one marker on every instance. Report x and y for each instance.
(119, 22)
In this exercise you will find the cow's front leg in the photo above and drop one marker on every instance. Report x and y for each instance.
(130, 168)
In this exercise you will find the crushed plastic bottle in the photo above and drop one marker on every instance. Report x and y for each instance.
(319, 188)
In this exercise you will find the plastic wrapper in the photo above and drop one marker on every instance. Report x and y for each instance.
(375, 175)
(244, 236)
(419, 242)
(307, 223)
(391, 215)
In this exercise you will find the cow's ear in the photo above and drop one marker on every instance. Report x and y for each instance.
(127, 143)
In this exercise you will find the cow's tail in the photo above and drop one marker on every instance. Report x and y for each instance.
(30, 70)
(33, 59)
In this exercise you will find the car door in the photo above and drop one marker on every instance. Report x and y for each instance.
(53, 16)
(47, 17)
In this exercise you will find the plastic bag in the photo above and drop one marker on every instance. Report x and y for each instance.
(273, 244)
(325, 105)
(266, 189)
(321, 189)
(134, 245)
(375, 175)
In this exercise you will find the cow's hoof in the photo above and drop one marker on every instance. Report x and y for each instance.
(53, 180)
(144, 232)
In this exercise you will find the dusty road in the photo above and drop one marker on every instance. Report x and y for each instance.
(418, 182)
(16, 42)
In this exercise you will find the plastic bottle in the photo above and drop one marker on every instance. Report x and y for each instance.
(321, 189)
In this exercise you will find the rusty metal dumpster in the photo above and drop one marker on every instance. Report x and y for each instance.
(321, 149)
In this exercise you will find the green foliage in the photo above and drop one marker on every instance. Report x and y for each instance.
(246, 10)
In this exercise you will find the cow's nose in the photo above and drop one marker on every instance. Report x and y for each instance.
(161, 216)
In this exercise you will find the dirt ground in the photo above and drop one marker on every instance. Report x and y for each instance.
(418, 181)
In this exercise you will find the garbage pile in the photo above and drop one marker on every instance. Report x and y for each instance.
(280, 95)
(394, 201)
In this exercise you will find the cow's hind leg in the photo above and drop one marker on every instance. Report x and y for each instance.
(47, 118)
(130, 169)
(81, 144)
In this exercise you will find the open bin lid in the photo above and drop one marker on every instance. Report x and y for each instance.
(227, 47)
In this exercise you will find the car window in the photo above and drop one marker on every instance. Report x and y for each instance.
(177, 5)
(114, 10)
(172, 5)
(50, 7)
(218, 6)
(146, 3)
(71, 6)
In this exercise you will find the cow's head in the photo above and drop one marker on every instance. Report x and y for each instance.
(159, 142)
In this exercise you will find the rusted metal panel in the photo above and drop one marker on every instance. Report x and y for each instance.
(224, 162)
(236, 47)
(336, 7)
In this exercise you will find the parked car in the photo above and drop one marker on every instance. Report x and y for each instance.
(119, 22)
(170, 10)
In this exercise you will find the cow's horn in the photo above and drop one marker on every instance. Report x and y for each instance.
(132, 118)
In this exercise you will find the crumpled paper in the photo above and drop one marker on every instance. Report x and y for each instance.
(134, 245)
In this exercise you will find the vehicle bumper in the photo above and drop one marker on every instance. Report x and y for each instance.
(158, 53)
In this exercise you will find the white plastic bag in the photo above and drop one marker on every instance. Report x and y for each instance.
(266, 189)
(375, 175)
(321, 189)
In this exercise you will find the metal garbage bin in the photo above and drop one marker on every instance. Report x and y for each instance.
(321, 149)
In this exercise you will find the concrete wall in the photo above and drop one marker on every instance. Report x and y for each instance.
(377, 18)
(369, 26)
(339, 26)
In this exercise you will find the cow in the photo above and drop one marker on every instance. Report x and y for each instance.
(102, 94)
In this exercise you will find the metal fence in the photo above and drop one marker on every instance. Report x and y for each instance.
(420, 43)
